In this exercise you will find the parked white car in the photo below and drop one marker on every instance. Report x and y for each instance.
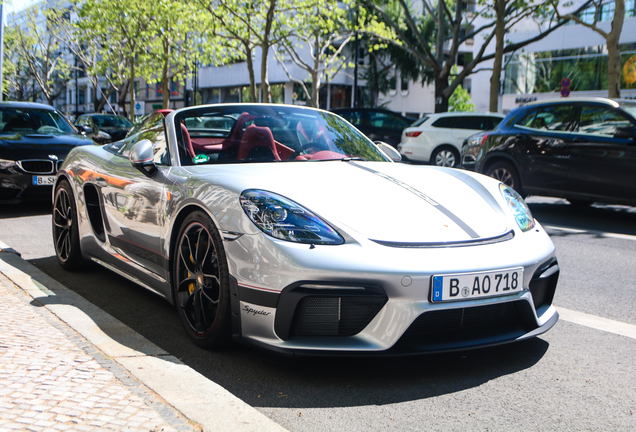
(438, 138)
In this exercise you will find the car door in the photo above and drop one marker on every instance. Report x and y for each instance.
(602, 165)
(386, 126)
(134, 202)
(540, 143)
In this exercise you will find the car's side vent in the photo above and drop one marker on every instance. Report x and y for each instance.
(93, 208)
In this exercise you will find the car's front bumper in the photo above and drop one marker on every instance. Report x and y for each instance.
(349, 300)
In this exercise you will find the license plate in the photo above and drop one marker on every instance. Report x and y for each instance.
(466, 286)
(43, 180)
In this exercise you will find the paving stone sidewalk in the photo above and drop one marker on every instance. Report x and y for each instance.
(52, 379)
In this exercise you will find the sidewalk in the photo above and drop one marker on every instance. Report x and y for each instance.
(65, 365)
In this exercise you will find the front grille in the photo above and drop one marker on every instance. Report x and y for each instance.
(37, 166)
(336, 316)
(469, 325)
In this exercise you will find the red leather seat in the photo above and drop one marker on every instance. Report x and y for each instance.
(257, 136)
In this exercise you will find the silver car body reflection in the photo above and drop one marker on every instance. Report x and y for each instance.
(400, 225)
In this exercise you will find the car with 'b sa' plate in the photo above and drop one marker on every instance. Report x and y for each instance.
(286, 228)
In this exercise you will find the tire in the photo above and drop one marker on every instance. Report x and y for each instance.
(445, 156)
(65, 228)
(201, 282)
(505, 173)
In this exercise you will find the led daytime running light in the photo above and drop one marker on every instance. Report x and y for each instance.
(518, 206)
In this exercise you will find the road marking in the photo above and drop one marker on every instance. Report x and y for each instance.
(598, 233)
(598, 323)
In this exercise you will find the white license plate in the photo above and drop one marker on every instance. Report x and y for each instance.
(466, 286)
(43, 180)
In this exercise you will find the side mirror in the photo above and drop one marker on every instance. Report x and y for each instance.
(142, 157)
(625, 132)
(84, 130)
(389, 150)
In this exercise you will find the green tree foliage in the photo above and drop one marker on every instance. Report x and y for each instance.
(460, 100)
(612, 37)
(123, 29)
(244, 25)
(36, 53)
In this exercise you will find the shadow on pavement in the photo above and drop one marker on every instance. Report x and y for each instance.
(33, 208)
(595, 217)
(262, 379)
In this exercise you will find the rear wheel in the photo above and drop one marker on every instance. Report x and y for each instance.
(201, 282)
(505, 173)
(445, 156)
(65, 228)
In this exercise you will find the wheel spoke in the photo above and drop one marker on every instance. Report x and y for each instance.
(185, 252)
(199, 313)
(203, 242)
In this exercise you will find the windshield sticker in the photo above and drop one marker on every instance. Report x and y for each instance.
(199, 159)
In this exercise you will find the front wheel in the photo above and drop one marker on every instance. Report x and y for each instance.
(201, 282)
(65, 228)
(505, 173)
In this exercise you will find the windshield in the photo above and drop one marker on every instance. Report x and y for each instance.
(112, 121)
(268, 133)
(33, 121)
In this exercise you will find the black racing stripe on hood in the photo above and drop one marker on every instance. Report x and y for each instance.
(467, 229)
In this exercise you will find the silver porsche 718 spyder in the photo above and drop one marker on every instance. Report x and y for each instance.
(285, 227)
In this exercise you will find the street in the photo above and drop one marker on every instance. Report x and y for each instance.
(572, 378)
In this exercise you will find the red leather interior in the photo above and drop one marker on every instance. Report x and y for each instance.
(187, 142)
(257, 136)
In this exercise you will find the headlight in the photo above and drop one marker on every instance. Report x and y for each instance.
(284, 219)
(4, 164)
(518, 206)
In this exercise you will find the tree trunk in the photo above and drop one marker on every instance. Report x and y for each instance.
(131, 114)
(165, 81)
(315, 89)
(265, 89)
(250, 70)
(495, 79)
(613, 51)
(441, 101)
(122, 98)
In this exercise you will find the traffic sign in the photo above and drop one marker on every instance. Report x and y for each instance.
(565, 91)
(565, 82)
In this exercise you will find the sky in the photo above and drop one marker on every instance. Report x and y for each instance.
(16, 5)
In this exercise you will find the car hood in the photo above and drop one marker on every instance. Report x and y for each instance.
(35, 146)
(382, 201)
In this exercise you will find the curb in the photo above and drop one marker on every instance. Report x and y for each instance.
(186, 390)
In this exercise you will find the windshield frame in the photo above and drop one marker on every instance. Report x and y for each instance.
(285, 124)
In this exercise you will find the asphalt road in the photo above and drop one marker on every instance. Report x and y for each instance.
(571, 378)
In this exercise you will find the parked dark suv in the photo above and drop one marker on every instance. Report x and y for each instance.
(376, 123)
(583, 150)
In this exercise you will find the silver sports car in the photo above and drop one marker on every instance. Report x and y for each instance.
(285, 227)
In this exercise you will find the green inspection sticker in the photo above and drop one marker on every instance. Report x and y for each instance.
(202, 158)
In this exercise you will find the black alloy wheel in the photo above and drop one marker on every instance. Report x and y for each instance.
(65, 228)
(505, 173)
(201, 282)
